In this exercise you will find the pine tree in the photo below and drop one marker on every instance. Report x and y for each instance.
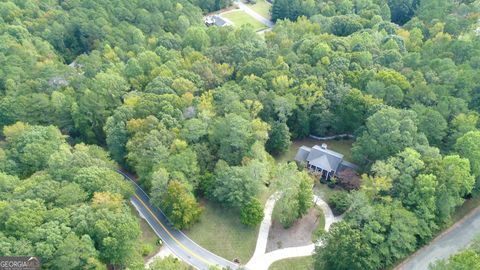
(280, 9)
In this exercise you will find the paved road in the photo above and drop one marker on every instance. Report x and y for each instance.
(254, 14)
(453, 240)
(182, 246)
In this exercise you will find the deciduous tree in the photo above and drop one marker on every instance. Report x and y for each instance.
(180, 205)
(252, 213)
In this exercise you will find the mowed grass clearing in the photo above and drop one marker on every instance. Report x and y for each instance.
(221, 232)
(239, 18)
(302, 263)
(262, 7)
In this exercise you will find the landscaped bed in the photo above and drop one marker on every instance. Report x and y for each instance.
(302, 263)
(239, 18)
(299, 234)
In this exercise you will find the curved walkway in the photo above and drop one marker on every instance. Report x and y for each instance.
(327, 212)
(261, 260)
(182, 246)
(188, 251)
(262, 238)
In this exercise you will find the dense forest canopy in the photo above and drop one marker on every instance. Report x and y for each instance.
(64, 204)
(196, 112)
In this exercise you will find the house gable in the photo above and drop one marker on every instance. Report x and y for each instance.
(320, 157)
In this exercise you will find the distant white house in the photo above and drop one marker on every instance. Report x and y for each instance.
(215, 20)
(321, 159)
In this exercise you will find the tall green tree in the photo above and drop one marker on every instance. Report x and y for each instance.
(468, 146)
(180, 205)
(279, 139)
(77, 253)
(455, 182)
(252, 213)
(29, 147)
(296, 195)
(387, 132)
(347, 243)
(432, 124)
(111, 226)
(402, 11)
(236, 186)
(233, 135)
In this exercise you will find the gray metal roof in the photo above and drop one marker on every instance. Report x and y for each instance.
(302, 153)
(328, 151)
(320, 157)
(219, 21)
(322, 162)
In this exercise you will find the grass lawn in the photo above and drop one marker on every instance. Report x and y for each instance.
(148, 237)
(324, 191)
(321, 224)
(341, 146)
(239, 18)
(302, 263)
(321, 218)
(220, 231)
(262, 7)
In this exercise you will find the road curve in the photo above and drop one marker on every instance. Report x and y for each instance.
(182, 246)
(453, 240)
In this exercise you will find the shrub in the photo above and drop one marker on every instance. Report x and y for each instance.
(349, 179)
(340, 202)
(317, 234)
(146, 249)
(252, 213)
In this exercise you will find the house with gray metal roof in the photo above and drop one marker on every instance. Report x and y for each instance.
(320, 159)
(215, 20)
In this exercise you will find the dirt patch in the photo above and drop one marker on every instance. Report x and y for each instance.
(300, 234)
